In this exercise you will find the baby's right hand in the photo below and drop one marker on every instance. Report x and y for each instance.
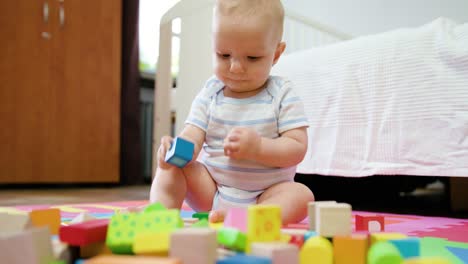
(166, 142)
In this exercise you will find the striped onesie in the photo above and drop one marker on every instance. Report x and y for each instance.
(272, 111)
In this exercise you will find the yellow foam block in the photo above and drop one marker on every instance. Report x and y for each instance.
(157, 243)
(264, 223)
(46, 217)
(378, 237)
(317, 250)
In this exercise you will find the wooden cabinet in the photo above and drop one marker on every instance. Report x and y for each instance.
(60, 91)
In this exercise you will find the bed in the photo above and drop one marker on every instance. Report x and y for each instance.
(394, 103)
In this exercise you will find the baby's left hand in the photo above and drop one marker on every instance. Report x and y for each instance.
(242, 143)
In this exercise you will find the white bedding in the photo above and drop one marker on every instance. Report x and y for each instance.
(393, 103)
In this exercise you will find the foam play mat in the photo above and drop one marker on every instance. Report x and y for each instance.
(441, 236)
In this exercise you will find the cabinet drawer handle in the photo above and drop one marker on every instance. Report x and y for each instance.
(61, 13)
(45, 12)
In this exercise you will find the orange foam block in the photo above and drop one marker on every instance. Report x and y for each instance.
(46, 217)
(350, 249)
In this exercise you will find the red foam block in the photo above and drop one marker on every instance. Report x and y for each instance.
(85, 233)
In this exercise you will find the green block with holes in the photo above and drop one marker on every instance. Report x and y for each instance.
(157, 221)
(121, 232)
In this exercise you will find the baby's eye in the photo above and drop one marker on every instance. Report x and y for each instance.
(253, 58)
(225, 56)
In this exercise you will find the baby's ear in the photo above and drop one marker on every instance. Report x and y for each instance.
(279, 50)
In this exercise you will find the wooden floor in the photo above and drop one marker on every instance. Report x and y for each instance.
(17, 195)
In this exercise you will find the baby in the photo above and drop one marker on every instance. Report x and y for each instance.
(250, 125)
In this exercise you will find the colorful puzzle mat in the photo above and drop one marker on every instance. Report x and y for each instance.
(441, 236)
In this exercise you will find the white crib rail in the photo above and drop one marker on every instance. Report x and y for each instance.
(195, 58)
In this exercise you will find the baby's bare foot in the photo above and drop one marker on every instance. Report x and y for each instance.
(216, 216)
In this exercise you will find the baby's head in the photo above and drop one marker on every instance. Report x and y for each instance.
(247, 43)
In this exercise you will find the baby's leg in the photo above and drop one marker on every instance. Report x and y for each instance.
(292, 197)
(194, 183)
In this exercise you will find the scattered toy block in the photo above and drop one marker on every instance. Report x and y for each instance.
(84, 233)
(236, 218)
(311, 210)
(152, 243)
(378, 237)
(427, 260)
(297, 240)
(350, 249)
(278, 252)
(14, 222)
(375, 223)
(158, 221)
(408, 247)
(317, 250)
(309, 234)
(383, 252)
(216, 225)
(203, 223)
(201, 215)
(94, 249)
(232, 238)
(333, 219)
(114, 259)
(154, 207)
(121, 233)
(180, 153)
(244, 259)
(46, 217)
(61, 250)
(82, 217)
(264, 223)
(194, 245)
(31, 246)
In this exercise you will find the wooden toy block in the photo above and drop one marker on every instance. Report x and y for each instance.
(236, 218)
(224, 253)
(383, 252)
(278, 252)
(32, 246)
(216, 225)
(377, 237)
(317, 250)
(46, 217)
(121, 233)
(408, 247)
(159, 221)
(244, 259)
(375, 223)
(194, 245)
(114, 259)
(427, 260)
(350, 249)
(84, 233)
(311, 210)
(180, 153)
(333, 219)
(232, 238)
(82, 217)
(152, 243)
(14, 222)
(61, 250)
(264, 223)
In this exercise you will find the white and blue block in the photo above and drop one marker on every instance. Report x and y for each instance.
(180, 153)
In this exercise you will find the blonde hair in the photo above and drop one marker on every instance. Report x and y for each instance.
(268, 11)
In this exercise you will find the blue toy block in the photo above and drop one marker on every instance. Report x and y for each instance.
(408, 247)
(244, 259)
(180, 153)
(309, 234)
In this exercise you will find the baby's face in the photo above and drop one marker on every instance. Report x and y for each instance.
(244, 55)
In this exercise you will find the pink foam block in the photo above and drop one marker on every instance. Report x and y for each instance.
(236, 218)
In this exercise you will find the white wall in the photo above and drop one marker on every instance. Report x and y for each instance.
(363, 17)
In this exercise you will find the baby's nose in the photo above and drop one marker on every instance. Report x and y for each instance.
(236, 66)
